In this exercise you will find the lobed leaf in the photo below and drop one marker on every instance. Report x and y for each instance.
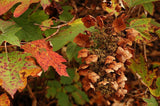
(148, 77)
(67, 35)
(5, 5)
(4, 100)
(149, 7)
(10, 68)
(45, 56)
(132, 3)
(9, 30)
(151, 101)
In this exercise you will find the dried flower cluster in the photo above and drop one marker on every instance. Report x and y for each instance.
(103, 65)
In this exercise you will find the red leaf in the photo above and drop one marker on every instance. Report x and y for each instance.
(46, 56)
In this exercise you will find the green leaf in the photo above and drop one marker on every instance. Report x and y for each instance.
(9, 30)
(68, 80)
(80, 97)
(53, 88)
(63, 99)
(148, 77)
(67, 35)
(51, 92)
(149, 7)
(131, 3)
(143, 26)
(70, 88)
(158, 32)
(72, 50)
(9, 69)
(66, 15)
(151, 102)
(29, 31)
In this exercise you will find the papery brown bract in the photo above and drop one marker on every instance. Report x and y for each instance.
(82, 40)
(89, 21)
(119, 24)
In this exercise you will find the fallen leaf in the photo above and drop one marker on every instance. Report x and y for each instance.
(4, 100)
(100, 21)
(89, 21)
(5, 5)
(115, 66)
(87, 84)
(45, 56)
(109, 70)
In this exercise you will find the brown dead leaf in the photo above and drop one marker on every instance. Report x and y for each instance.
(83, 53)
(93, 77)
(83, 72)
(91, 58)
(119, 24)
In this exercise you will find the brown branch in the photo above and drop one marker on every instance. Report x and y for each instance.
(34, 100)
(52, 34)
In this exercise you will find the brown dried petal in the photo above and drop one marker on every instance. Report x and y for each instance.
(103, 82)
(87, 84)
(91, 58)
(100, 21)
(83, 66)
(114, 85)
(123, 42)
(83, 72)
(83, 53)
(132, 34)
(93, 77)
(115, 66)
(89, 21)
(109, 59)
(121, 92)
(121, 78)
(82, 40)
(123, 54)
(109, 70)
(122, 84)
(119, 24)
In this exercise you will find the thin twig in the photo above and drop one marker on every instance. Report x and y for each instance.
(145, 55)
(52, 34)
(5, 44)
(34, 101)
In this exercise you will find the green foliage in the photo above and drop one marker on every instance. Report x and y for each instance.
(9, 30)
(67, 35)
(149, 7)
(151, 101)
(29, 31)
(144, 26)
(67, 90)
(131, 3)
(72, 51)
(148, 77)
(66, 15)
